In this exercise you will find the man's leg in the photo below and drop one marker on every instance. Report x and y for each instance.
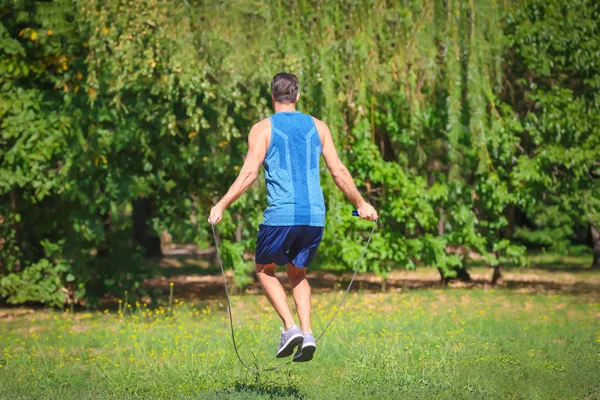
(275, 292)
(301, 290)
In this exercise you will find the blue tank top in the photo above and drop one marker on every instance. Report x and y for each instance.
(292, 172)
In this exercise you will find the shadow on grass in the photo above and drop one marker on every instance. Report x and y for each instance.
(270, 389)
(563, 267)
(534, 287)
(549, 265)
(169, 272)
(197, 277)
(211, 287)
(551, 262)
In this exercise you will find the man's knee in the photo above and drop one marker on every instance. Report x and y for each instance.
(295, 274)
(267, 269)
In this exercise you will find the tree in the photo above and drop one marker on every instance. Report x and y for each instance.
(555, 70)
(121, 119)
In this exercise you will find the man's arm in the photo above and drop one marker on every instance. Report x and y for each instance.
(257, 150)
(341, 175)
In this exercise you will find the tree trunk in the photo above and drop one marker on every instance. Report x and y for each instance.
(142, 211)
(461, 275)
(440, 229)
(238, 228)
(95, 284)
(510, 217)
(442, 278)
(595, 244)
(105, 246)
(14, 208)
(497, 276)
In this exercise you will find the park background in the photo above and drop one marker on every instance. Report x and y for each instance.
(473, 127)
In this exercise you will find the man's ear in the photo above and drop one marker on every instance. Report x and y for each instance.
(298, 97)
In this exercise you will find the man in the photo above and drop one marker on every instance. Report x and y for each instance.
(289, 145)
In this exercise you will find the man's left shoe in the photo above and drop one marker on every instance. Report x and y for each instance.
(289, 340)
(306, 349)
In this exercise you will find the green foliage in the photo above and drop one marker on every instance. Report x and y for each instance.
(41, 281)
(103, 103)
(56, 178)
(233, 255)
(556, 46)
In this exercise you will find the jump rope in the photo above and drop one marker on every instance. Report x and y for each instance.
(354, 213)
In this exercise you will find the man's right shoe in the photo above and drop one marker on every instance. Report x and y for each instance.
(289, 340)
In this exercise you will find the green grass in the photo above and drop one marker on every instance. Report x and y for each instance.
(451, 343)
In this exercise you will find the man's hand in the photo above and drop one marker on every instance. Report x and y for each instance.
(216, 215)
(366, 211)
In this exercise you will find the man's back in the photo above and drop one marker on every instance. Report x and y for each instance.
(292, 172)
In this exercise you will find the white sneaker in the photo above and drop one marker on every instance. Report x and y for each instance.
(289, 340)
(306, 349)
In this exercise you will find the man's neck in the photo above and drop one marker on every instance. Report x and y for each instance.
(280, 107)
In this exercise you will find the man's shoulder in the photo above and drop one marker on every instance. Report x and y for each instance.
(262, 124)
(321, 126)
(261, 128)
(260, 132)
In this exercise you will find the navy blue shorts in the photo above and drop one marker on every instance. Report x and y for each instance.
(288, 244)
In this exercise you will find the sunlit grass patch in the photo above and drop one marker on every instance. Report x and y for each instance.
(430, 343)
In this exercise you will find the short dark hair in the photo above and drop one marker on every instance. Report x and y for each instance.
(284, 88)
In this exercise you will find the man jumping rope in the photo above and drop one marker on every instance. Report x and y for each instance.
(289, 145)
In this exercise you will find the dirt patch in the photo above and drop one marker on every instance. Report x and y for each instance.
(10, 314)
(529, 281)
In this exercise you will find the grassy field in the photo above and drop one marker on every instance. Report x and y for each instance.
(452, 343)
